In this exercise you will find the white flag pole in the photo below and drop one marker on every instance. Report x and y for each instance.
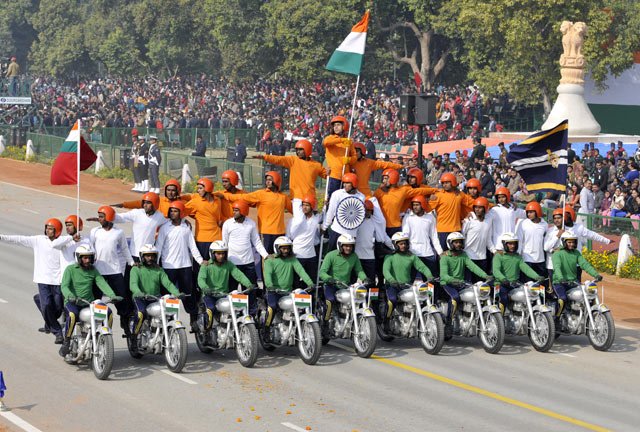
(78, 173)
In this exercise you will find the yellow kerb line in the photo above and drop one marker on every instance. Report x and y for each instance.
(491, 395)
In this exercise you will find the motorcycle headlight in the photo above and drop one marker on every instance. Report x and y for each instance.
(484, 291)
(592, 289)
(535, 290)
(361, 294)
(424, 291)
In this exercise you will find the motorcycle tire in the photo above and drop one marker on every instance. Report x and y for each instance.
(494, 324)
(102, 360)
(135, 354)
(543, 338)
(365, 343)
(247, 345)
(265, 345)
(310, 349)
(175, 354)
(432, 337)
(601, 337)
(200, 341)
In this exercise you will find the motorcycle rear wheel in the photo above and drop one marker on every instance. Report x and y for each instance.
(365, 343)
(175, 354)
(135, 354)
(265, 345)
(310, 347)
(200, 341)
(432, 336)
(247, 345)
(543, 338)
(493, 339)
(601, 337)
(102, 360)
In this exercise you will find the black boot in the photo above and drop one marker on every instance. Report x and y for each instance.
(65, 348)
(59, 339)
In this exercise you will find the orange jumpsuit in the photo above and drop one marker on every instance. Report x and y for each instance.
(303, 174)
(227, 210)
(271, 206)
(451, 209)
(391, 202)
(336, 146)
(364, 167)
(164, 204)
(208, 216)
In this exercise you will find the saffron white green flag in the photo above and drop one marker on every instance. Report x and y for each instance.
(348, 56)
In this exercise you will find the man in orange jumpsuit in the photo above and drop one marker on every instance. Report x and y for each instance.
(363, 168)
(206, 209)
(230, 181)
(451, 206)
(339, 152)
(172, 191)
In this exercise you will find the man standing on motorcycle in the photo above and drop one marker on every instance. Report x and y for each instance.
(216, 278)
(531, 233)
(339, 266)
(147, 278)
(368, 233)
(507, 265)
(565, 268)
(398, 268)
(278, 275)
(77, 284)
(453, 264)
(420, 226)
(304, 229)
(477, 230)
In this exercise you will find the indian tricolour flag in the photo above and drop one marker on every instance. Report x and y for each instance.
(302, 300)
(65, 168)
(348, 57)
(240, 301)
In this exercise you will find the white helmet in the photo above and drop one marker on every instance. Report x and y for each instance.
(508, 237)
(345, 239)
(84, 250)
(568, 235)
(218, 246)
(147, 250)
(454, 236)
(281, 241)
(398, 237)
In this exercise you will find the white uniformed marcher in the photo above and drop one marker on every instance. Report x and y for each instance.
(304, 231)
(46, 259)
(144, 226)
(531, 236)
(330, 217)
(423, 236)
(111, 250)
(478, 236)
(503, 219)
(242, 238)
(176, 245)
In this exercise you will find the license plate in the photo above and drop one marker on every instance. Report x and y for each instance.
(171, 305)
(302, 300)
(100, 311)
(240, 301)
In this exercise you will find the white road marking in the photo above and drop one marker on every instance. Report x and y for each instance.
(176, 376)
(293, 427)
(19, 422)
(45, 192)
(625, 327)
(30, 211)
(3, 301)
(567, 355)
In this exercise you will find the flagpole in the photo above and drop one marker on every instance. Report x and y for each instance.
(353, 111)
(78, 173)
(563, 199)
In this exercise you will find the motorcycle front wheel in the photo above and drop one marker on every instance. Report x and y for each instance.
(175, 354)
(603, 332)
(102, 360)
(493, 338)
(543, 337)
(247, 345)
(432, 336)
(311, 344)
(366, 341)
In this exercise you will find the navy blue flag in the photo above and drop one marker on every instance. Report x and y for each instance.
(541, 159)
(2, 386)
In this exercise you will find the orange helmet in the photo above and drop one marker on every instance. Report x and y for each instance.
(341, 119)
(241, 205)
(417, 173)
(474, 183)
(394, 175)
(75, 220)
(232, 176)
(56, 224)
(178, 204)
(571, 211)
(152, 197)
(368, 205)
(172, 182)
(449, 177)
(306, 146)
(420, 199)
(361, 147)
(311, 200)
(109, 213)
(503, 191)
(206, 184)
(481, 202)
(558, 212)
(534, 206)
(277, 178)
(350, 178)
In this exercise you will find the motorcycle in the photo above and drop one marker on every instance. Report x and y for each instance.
(293, 325)
(352, 319)
(92, 339)
(477, 315)
(232, 328)
(527, 313)
(415, 315)
(584, 313)
(162, 332)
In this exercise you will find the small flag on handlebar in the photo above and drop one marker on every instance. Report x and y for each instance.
(302, 300)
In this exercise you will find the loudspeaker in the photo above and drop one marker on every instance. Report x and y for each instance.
(425, 109)
(407, 109)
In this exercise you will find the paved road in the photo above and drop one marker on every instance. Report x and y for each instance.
(402, 388)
